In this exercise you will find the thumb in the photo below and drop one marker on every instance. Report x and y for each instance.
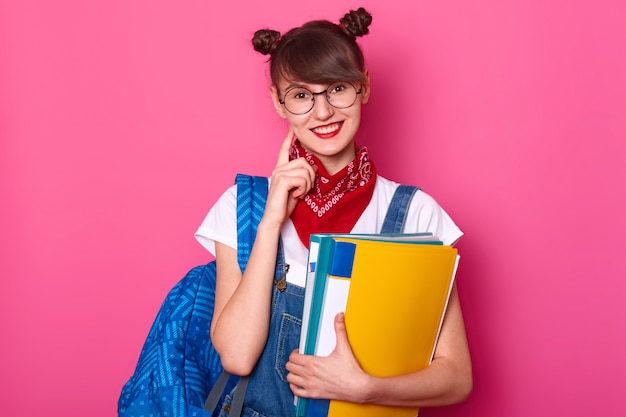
(341, 333)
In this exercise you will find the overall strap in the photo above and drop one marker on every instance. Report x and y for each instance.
(251, 196)
(398, 209)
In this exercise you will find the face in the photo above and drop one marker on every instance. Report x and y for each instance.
(325, 131)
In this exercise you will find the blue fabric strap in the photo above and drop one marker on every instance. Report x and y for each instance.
(398, 209)
(251, 196)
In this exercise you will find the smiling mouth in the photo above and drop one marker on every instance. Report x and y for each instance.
(328, 130)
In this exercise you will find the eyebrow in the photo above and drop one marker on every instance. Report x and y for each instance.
(295, 85)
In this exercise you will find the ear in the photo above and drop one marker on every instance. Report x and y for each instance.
(365, 88)
(280, 109)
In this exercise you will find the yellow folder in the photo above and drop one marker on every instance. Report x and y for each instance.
(397, 299)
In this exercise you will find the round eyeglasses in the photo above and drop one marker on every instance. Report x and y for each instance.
(300, 100)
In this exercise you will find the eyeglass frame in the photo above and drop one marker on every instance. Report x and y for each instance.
(356, 96)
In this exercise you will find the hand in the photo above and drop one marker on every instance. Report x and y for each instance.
(291, 181)
(337, 376)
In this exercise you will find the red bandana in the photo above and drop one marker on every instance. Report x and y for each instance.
(336, 201)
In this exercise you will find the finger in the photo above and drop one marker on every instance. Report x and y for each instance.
(309, 173)
(297, 176)
(340, 332)
(298, 390)
(283, 154)
(294, 180)
(297, 358)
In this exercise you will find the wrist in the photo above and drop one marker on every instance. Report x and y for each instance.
(366, 390)
(363, 391)
(268, 226)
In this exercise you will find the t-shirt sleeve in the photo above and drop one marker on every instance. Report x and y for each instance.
(426, 214)
(220, 224)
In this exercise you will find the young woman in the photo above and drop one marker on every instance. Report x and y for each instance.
(323, 182)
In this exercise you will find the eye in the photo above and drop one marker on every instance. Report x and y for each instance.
(298, 94)
(337, 88)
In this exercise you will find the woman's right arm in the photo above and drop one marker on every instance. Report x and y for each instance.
(242, 302)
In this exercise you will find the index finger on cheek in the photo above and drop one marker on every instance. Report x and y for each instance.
(283, 154)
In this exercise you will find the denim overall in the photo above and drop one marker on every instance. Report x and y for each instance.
(268, 393)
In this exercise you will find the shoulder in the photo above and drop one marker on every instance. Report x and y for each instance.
(220, 224)
(386, 188)
(425, 213)
(227, 201)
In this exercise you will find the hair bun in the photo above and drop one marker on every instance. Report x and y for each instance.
(264, 40)
(356, 22)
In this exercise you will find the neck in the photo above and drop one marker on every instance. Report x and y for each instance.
(335, 163)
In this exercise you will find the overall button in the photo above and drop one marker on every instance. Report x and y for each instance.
(281, 284)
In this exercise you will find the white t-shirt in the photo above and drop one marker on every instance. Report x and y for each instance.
(424, 215)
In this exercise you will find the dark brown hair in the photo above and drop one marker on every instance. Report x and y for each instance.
(318, 51)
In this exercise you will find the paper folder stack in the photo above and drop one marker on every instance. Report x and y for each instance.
(394, 290)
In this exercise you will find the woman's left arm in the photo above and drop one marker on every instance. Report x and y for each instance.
(447, 380)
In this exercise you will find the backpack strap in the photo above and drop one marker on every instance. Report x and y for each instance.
(216, 392)
(251, 196)
(398, 209)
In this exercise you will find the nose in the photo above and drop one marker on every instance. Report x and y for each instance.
(321, 107)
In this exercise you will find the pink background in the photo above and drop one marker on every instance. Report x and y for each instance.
(122, 121)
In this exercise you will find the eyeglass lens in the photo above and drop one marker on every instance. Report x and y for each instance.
(300, 100)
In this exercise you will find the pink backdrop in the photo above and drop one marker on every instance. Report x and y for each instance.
(121, 122)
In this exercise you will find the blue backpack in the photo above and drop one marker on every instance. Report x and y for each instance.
(179, 373)
(178, 364)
